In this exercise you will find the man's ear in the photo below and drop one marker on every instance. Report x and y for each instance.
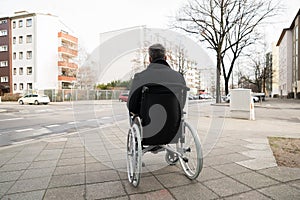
(150, 59)
(165, 57)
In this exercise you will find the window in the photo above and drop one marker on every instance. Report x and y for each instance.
(29, 70)
(21, 86)
(29, 54)
(4, 79)
(29, 39)
(4, 63)
(20, 23)
(3, 32)
(3, 48)
(28, 22)
(14, 40)
(21, 71)
(20, 55)
(15, 71)
(15, 86)
(20, 39)
(29, 86)
(14, 55)
(14, 24)
(4, 21)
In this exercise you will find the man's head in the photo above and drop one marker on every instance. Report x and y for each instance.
(157, 51)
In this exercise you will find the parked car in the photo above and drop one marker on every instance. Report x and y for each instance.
(123, 97)
(227, 98)
(34, 99)
(205, 96)
(192, 97)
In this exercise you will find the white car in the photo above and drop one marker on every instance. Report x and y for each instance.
(227, 98)
(34, 99)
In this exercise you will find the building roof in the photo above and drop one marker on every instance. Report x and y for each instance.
(287, 29)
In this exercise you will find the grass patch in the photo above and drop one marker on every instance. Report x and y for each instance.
(286, 151)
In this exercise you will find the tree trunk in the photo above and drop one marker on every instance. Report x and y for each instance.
(218, 93)
(226, 80)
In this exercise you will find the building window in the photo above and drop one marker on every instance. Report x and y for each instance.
(3, 48)
(20, 55)
(4, 63)
(28, 22)
(21, 86)
(21, 71)
(4, 21)
(20, 39)
(3, 32)
(29, 39)
(14, 24)
(29, 54)
(15, 86)
(4, 79)
(14, 40)
(20, 23)
(29, 86)
(15, 71)
(14, 55)
(29, 70)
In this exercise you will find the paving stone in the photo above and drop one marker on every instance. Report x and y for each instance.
(101, 176)
(173, 179)
(65, 193)
(10, 176)
(231, 169)
(43, 164)
(72, 155)
(218, 151)
(280, 192)
(295, 183)
(47, 157)
(258, 164)
(14, 166)
(248, 195)
(36, 195)
(254, 180)
(164, 170)
(215, 160)
(104, 190)
(70, 161)
(235, 157)
(70, 169)
(35, 173)
(146, 184)
(55, 145)
(29, 185)
(209, 173)
(282, 173)
(21, 160)
(4, 187)
(96, 167)
(156, 195)
(67, 180)
(226, 186)
(193, 191)
(72, 150)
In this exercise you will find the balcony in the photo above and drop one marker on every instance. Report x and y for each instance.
(67, 64)
(66, 78)
(68, 51)
(68, 37)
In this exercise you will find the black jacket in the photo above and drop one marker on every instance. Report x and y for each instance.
(158, 72)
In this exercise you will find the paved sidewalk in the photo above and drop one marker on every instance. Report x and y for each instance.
(240, 165)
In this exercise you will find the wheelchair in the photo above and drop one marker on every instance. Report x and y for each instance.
(176, 137)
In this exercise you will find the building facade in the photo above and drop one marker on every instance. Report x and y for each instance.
(275, 70)
(5, 56)
(289, 59)
(42, 53)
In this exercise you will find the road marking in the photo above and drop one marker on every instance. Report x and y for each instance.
(23, 130)
(71, 122)
(91, 120)
(106, 118)
(10, 119)
(53, 125)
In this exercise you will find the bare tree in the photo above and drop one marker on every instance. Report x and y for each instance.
(228, 26)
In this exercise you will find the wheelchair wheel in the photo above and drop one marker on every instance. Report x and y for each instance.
(171, 158)
(134, 155)
(192, 159)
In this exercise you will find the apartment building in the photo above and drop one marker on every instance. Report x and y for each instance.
(275, 70)
(289, 58)
(42, 53)
(5, 56)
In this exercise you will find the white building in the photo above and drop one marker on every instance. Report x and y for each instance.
(285, 62)
(36, 43)
(275, 68)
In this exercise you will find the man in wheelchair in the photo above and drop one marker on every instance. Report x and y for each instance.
(155, 103)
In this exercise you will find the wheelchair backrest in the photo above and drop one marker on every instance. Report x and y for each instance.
(161, 112)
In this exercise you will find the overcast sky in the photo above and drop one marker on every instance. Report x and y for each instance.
(88, 18)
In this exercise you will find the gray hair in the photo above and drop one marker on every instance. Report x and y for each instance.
(157, 51)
